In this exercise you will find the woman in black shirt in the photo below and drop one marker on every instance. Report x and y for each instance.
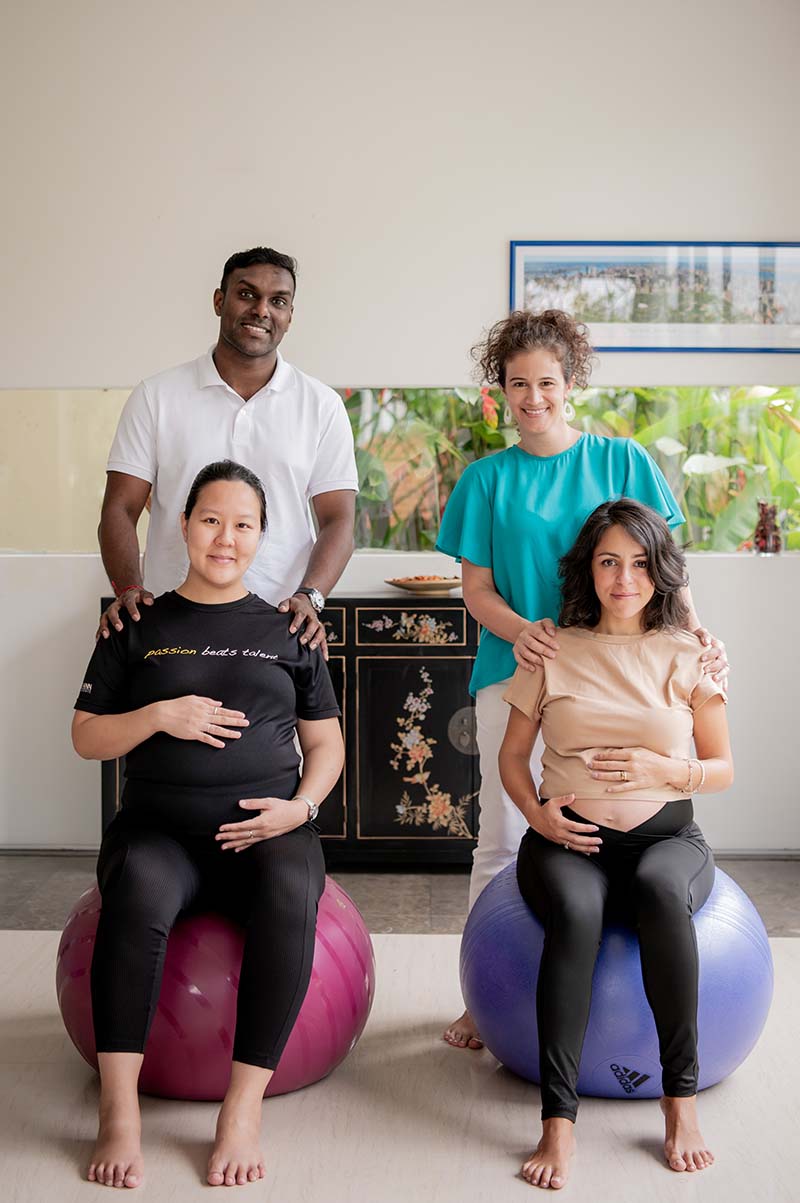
(203, 696)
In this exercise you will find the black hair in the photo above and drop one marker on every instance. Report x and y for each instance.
(666, 567)
(226, 469)
(259, 254)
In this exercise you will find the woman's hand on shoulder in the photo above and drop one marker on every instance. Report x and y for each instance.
(203, 719)
(536, 643)
(276, 816)
(553, 824)
(714, 658)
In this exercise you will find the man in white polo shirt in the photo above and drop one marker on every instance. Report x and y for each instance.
(240, 401)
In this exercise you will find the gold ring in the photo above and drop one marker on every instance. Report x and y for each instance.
(623, 775)
(250, 835)
(216, 708)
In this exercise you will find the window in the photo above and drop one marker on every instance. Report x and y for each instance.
(720, 448)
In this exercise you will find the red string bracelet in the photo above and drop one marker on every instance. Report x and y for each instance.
(119, 592)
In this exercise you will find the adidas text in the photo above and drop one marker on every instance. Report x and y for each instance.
(629, 1079)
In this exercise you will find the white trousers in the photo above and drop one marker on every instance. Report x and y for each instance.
(501, 825)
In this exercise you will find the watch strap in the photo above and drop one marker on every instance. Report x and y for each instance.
(313, 808)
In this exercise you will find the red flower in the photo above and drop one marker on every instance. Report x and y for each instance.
(489, 408)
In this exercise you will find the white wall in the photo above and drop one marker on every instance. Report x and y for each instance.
(395, 149)
(49, 798)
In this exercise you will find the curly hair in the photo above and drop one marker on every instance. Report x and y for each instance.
(666, 567)
(552, 329)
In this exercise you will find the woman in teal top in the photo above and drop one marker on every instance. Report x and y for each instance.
(509, 520)
(517, 512)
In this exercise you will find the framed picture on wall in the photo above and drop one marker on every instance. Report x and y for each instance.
(667, 296)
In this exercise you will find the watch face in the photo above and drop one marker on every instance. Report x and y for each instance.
(314, 596)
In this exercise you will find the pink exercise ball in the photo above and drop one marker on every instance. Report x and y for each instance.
(188, 1053)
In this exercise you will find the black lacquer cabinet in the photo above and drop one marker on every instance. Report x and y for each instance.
(409, 790)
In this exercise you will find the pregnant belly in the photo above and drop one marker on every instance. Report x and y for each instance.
(196, 811)
(622, 815)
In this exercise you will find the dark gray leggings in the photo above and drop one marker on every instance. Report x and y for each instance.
(655, 877)
(148, 877)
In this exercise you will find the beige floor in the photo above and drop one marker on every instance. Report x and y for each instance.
(405, 1119)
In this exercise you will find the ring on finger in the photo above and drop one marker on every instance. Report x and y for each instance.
(567, 845)
(250, 835)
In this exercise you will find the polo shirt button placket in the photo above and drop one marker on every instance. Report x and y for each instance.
(242, 426)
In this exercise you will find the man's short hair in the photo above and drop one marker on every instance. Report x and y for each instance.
(259, 254)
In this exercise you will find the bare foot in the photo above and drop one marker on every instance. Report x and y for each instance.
(548, 1165)
(684, 1147)
(236, 1158)
(462, 1033)
(117, 1157)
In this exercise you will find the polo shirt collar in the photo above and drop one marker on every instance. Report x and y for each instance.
(209, 377)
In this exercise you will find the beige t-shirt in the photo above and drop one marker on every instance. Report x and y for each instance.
(613, 691)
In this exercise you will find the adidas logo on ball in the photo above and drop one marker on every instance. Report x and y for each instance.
(629, 1079)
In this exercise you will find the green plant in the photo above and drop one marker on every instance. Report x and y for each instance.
(411, 447)
(720, 448)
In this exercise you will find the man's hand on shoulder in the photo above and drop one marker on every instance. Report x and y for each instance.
(129, 599)
(304, 615)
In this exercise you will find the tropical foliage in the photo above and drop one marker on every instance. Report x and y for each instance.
(720, 449)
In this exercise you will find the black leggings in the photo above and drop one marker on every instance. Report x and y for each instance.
(654, 876)
(148, 877)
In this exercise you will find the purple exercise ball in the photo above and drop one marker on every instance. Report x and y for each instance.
(500, 953)
(189, 1048)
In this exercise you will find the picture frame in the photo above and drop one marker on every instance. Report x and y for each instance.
(730, 297)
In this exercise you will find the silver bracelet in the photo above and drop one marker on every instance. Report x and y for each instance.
(687, 789)
(702, 780)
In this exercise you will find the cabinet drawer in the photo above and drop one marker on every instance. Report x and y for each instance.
(411, 626)
(333, 620)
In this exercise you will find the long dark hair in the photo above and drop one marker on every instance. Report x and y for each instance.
(666, 567)
(226, 469)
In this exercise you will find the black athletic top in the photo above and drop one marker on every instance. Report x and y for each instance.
(240, 652)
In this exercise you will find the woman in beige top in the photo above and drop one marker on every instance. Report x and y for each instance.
(618, 710)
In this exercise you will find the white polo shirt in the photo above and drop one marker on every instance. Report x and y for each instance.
(294, 434)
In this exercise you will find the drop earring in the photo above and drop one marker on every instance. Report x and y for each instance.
(508, 417)
(569, 411)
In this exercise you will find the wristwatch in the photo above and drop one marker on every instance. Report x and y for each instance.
(314, 596)
(313, 809)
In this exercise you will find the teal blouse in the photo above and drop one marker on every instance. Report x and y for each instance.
(518, 513)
